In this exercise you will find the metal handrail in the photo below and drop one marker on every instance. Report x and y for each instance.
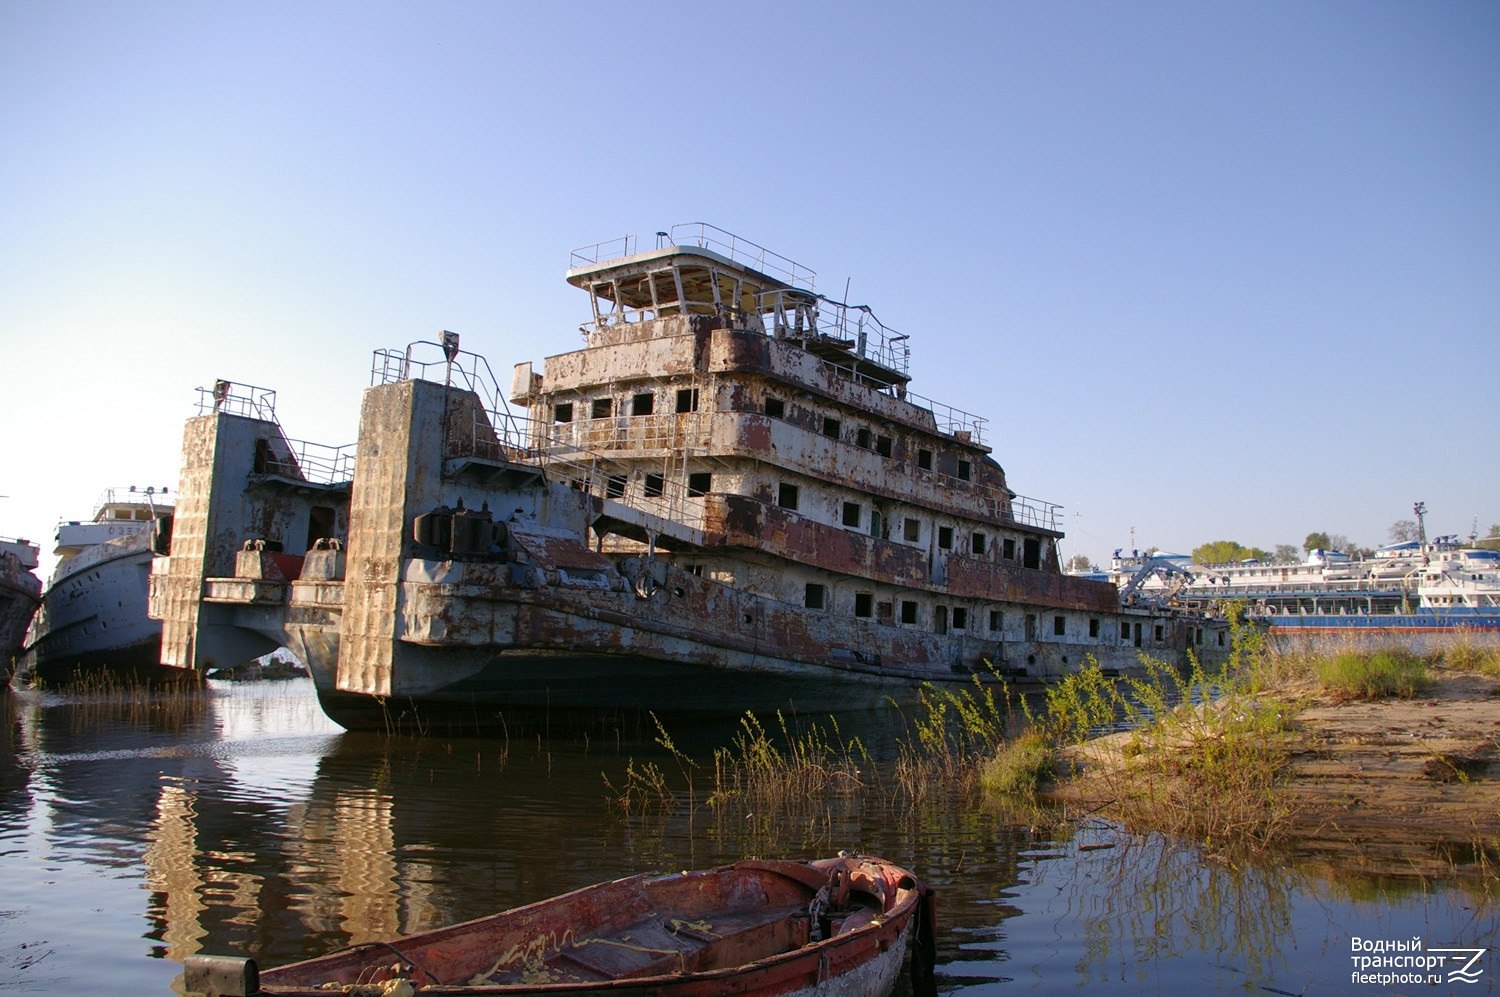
(744, 252)
(236, 398)
(461, 367)
(318, 463)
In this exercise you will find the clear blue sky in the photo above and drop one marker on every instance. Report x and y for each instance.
(1212, 270)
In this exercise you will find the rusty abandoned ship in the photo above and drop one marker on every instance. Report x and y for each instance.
(727, 500)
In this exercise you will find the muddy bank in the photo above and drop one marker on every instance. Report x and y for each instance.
(1405, 785)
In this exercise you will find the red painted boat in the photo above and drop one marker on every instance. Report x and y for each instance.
(840, 925)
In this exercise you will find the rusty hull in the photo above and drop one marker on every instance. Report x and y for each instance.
(749, 928)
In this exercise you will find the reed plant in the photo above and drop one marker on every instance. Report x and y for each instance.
(1470, 652)
(951, 737)
(765, 771)
(646, 787)
(103, 695)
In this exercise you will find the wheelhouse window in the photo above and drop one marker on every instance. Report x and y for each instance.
(643, 403)
(924, 459)
(852, 514)
(883, 445)
(864, 605)
(562, 412)
(775, 407)
(614, 486)
(687, 400)
(976, 543)
(960, 618)
(908, 611)
(700, 484)
(601, 408)
(814, 595)
(1059, 625)
(831, 426)
(945, 537)
(786, 496)
(654, 485)
(964, 470)
(912, 530)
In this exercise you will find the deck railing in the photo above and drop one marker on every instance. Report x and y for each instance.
(318, 463)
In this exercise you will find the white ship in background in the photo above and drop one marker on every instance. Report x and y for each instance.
(93, 612)
(1418, 586)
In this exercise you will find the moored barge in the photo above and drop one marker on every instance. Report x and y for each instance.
(728, 499)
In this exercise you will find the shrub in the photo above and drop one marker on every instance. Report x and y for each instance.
(1020, 766)
(1373, 674)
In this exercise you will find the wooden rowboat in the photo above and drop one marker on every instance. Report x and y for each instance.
(839, 925)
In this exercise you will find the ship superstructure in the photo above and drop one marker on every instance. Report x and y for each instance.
(727, 499)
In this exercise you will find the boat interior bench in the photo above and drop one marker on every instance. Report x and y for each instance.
(663, 944)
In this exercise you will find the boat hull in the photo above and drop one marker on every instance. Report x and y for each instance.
(1387, 623)
(833, 926)
(93, 620)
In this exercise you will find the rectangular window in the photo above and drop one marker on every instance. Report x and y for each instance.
(775, 407)
(1124, 630)
(908, 611)
(1033, 557)
(601, 408)
(963, 470)
(1158, 633)
(864, 605)
(696, 570)
(945, 537)
(883, 612)
(786, 496)
(960, 618)
(654, 485)
(913, 530)
(976, 543)
(812, 598)
(562, 412)
(1010, 549)
(1093, 628)
(614, 486)
(924, 459)
(1031, 626)
(883, 445)
(831, 426)
(699, 484)
(862, 438)
(643, 403)
(687, 399)
(851, 513)
(940, 619)
(997, 621)
(1059, 625)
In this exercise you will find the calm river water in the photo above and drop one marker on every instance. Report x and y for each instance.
(132, 835)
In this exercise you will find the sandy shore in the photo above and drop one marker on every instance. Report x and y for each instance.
(1404, 785)
(1401, 780)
